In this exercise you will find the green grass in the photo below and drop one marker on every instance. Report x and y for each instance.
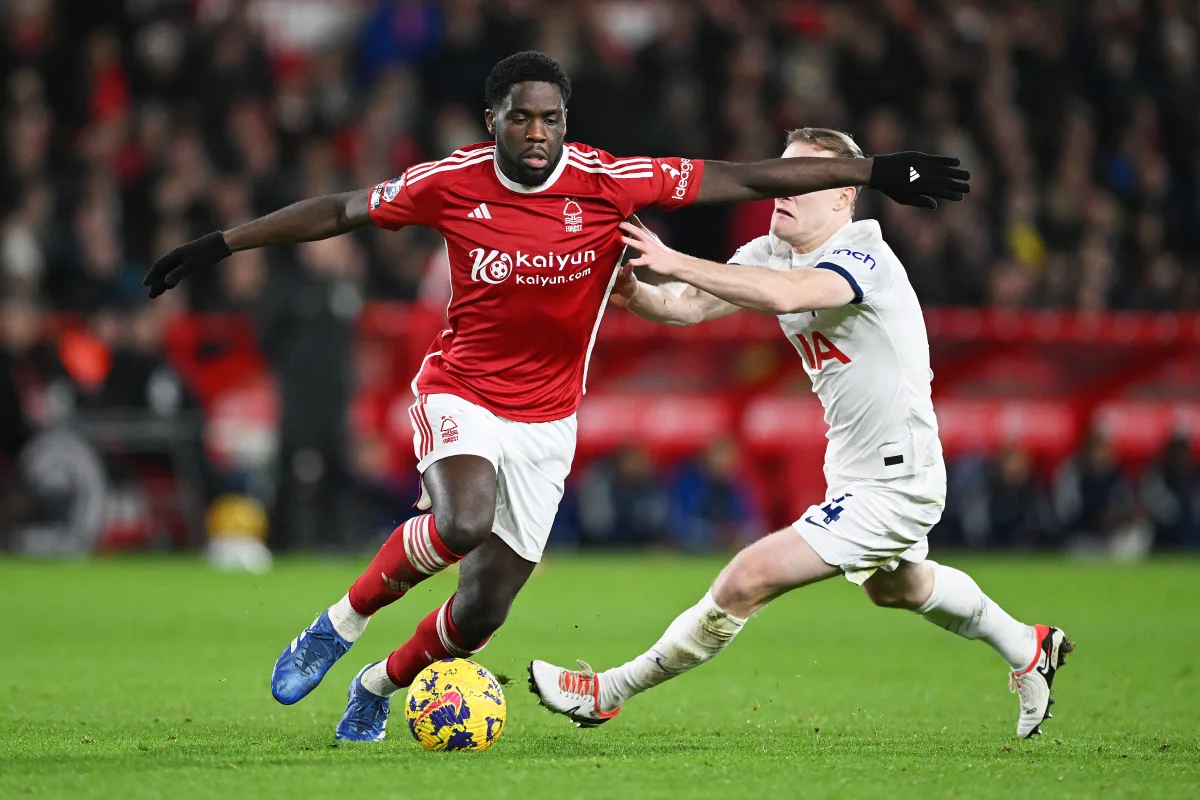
(148, 678)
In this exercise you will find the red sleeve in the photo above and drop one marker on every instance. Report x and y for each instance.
(673, 183)
(407, 200)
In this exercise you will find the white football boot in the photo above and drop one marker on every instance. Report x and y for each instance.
(1033, 683)
(574, 694)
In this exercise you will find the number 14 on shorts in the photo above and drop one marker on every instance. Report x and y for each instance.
(832, 510)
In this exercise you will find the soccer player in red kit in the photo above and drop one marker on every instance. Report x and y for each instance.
(531, 226)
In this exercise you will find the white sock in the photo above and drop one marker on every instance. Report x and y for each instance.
(960, 606)
(348, 623)
(376, 681)
(694, 637)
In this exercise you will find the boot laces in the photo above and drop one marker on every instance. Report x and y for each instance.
(582, 683)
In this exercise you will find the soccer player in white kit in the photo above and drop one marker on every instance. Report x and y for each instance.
(844, 301)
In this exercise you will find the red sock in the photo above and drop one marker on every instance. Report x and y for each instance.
(411, 554)
(436, 638)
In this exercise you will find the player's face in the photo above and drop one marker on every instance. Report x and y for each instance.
(797, 218)
(529, 128)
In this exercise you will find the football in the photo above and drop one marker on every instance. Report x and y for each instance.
(455, 704)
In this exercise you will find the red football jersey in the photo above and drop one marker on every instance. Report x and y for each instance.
(531, 268)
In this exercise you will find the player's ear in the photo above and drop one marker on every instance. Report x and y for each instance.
(489, 120)
(846, 198)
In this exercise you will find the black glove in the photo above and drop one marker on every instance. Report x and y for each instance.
(176, 265)
(915, 179)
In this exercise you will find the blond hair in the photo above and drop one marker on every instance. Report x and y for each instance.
(828, 140)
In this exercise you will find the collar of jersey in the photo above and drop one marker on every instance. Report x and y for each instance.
(522, 189)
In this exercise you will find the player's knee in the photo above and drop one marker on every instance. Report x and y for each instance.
(900, 589)
(466, 526)
(741, 589)
(885, 594)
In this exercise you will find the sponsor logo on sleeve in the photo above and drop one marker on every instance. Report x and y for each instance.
(865, 258)
(391, 189)
(684, 178)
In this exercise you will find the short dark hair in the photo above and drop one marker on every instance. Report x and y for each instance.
(528, 65)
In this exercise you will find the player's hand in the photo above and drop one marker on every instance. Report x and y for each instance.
(625, 288)
(176, 265)
(916, 179)
(649, 251)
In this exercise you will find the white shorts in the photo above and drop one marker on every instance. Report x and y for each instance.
(867, 525)
(532, 460)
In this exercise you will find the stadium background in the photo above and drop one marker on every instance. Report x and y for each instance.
(268, 398)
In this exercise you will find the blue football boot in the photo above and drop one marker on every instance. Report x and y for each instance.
(304, 662)
(366, 714)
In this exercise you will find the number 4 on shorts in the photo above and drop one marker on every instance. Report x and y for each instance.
(834, 512)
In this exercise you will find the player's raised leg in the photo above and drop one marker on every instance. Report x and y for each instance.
(489, 580)
(463, 489)
(950, 599)
(758, 574)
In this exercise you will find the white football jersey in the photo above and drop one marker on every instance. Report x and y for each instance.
(869, 360)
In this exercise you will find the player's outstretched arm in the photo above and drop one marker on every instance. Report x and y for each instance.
(670, 303)
(755, 288)
(909, 178)
(306, 221)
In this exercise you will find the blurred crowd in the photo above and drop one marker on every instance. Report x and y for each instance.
(130, 126)
(1090, 505)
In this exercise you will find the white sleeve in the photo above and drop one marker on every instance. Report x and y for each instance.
(866, 266)
(754, 253)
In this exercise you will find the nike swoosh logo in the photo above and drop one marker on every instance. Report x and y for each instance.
(819, 525)
(666, 669)
(1046, 653)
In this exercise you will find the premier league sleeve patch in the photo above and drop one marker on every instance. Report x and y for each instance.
(392, 188)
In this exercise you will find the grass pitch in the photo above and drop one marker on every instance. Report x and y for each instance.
(149, 678)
